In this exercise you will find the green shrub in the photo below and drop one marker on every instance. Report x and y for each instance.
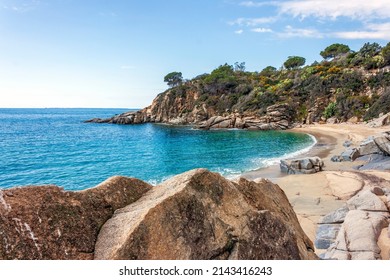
(381, 105)
(330, 110)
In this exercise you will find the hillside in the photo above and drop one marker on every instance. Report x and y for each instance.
(346, 84)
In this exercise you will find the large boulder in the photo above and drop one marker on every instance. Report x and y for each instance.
(350, 154)
(358, 235)
(383, 143)
(375, 162)
(381, 121)
(307, 165)
(50, 223)
(368, 147)
(368, 201)
(202, 215)
(362, 223)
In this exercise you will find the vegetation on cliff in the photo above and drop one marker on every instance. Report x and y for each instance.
(345, 84)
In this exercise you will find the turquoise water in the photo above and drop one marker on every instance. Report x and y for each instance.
(54, 146)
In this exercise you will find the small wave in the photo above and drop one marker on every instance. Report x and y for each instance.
(266, 162)
(260, 163)
(276, 160)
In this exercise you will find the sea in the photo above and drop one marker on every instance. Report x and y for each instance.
(56, 147)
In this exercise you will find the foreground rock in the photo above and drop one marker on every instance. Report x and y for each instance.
(50, 223)
(308, 165)
(201, 215)
(359, 229)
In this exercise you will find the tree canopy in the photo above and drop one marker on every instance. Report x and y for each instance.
(386, 54)
(239, 67)
(173, 79)
(294, 62)
(370, 50)
(268, 71)
(334, 50)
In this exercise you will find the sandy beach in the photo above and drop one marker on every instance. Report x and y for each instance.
(315, 195)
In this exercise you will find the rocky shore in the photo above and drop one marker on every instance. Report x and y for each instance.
(276, 116)
(344, 209)
(194, 215)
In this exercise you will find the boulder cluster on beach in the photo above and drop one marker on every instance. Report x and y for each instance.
(374, 151)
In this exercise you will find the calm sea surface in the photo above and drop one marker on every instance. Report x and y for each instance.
(54, 146)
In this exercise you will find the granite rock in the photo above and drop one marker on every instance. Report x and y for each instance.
(350, 154)
(368, 147)
(383, 144)
(308, 165)
(201, 215)
(326, 235)
(366, 200)
(50, 223)
(335, 217)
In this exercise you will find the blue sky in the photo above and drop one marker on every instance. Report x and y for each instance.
(115, 53)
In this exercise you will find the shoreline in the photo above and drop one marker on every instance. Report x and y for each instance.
(330, 139)
(322, 148)
(315, 195)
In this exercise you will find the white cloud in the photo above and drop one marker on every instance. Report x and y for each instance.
(291, 32)
(355, 9)
(252, 21)
(262, 30)
(257, 4)
(372, 15)
(239, 31)
(373, 31)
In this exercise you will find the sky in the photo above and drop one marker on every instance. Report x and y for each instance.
(115, 53)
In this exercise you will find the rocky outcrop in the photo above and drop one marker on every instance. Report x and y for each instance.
(358, 229)
(368, 147)
(171, 108)
(383, 143)
(50, 223)
(358, 236)
(168, 107)
(383, 120)
(201, 215)
(308, 165)
(374, 150)
(276, 117)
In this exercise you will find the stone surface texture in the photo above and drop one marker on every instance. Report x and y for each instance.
(50, 223)
(201, 215)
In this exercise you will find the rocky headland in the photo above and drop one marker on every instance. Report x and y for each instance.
(276, 116)
(346, 86)
(194, 215)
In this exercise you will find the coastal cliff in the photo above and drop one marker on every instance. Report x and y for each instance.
(187, 109)
(352, 86)
(194, 215)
